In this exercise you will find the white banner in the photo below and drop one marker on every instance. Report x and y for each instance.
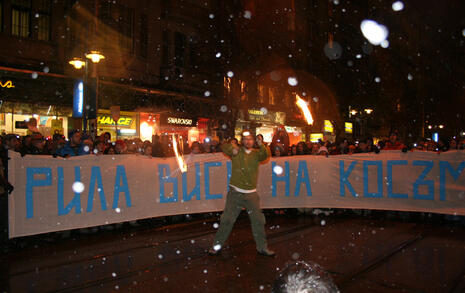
(129, 187)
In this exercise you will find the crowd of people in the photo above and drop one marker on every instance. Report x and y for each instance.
(80, 143)
(161, 146)
(345, 146)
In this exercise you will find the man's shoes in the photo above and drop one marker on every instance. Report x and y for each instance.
(266, 252)
(213, 251)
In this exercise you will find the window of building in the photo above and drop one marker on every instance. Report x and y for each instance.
(291, 17)
(165, 8)
(272, 96)
(144, 36)
(104, 12)
(243, 90)
(121, 18)
(1, 16)
(261, 94)
(43, 26)
(288, 99)
(194, 54)
(179, 49)
(227, 85)
(21, 18)
(166, 52)
(125, 22)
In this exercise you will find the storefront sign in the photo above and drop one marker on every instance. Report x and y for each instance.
(290, 129)
(255, 112)
(328, 127)
(107, 120)
(7, 84)
(126, 132)
(78, 99)
(270, 116)
(180, 121)
(314, 137)
(349, 127)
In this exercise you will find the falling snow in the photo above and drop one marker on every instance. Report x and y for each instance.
(278, 170)
(385, 44)
(292, 81)
(374, 32)
(78, 187)
(397, 6)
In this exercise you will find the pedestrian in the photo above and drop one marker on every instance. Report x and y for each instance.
(278, 151)
(73, 147)
(196, 149)
(393, 143)
(242, 193)
(157, 147)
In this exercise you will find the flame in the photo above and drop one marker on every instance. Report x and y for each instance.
(179, 157)
(305, 110)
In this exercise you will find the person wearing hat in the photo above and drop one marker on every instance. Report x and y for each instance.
(242, 192)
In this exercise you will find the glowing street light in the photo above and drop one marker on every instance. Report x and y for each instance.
(441, 126)
(95, 56)
(77, 63)
(430, 126)
(353, 112)
(368, 111)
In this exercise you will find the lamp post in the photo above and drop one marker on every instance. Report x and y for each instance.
(368, 111)
(78, 63)
(362, 119)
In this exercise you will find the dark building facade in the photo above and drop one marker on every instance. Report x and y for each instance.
(159, 62)
(273, 61)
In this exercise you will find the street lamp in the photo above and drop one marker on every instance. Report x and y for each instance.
(78, 63)
(95, 56)
(353, 112)
(368, 111)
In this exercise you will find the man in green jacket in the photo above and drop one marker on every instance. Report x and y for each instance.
(242, 193)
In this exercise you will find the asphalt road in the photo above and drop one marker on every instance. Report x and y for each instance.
(361, 253)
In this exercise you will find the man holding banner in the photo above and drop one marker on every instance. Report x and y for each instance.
(242, 193)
